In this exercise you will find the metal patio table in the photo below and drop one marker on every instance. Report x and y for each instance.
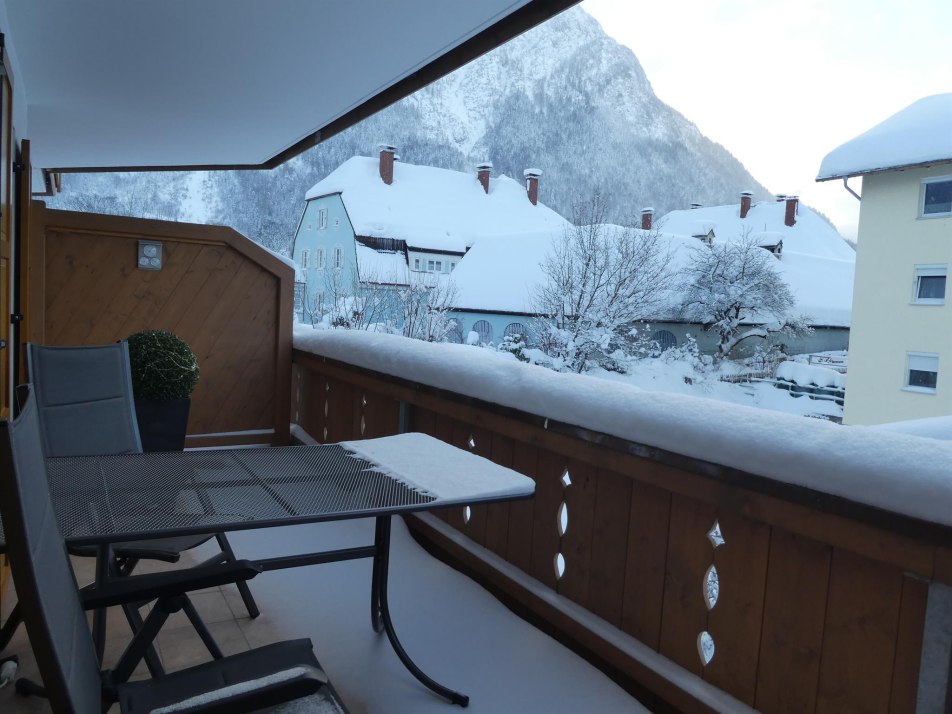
(101, 500)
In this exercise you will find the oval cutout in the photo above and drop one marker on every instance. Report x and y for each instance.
(705, 647)
(559, 564)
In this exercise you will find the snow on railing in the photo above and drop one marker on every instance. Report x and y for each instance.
(893, 471)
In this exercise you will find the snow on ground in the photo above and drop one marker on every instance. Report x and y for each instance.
(898, 472)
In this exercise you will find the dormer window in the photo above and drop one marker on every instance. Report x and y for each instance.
(936, 197)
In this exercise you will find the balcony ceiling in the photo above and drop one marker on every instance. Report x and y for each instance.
(113, 84)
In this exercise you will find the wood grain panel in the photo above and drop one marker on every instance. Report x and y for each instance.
(525, 460)
(862, 619)
(912, 620)
(497, 514)
(646, 562)
(576, 544)
(735, 620)
(545, 534)
(609, 552)
(220, 292)
(684, 614)
(794, 613)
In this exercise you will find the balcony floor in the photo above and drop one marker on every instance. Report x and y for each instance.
(456, 631)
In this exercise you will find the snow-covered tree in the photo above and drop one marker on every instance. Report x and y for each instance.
(734, 289)
(425, 304)
(599, 280)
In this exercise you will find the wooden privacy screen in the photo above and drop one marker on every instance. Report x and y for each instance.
(230, 299)
(817, 605)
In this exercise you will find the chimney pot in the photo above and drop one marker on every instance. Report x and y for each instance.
(387, 155)
(532, 177)
(646, 215)
(781, 197)
(745, 197)
(696, 205)
(483, 172)
(790, 214)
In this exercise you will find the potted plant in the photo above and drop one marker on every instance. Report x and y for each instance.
(164, 374)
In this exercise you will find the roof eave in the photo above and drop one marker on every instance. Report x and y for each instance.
(884, 169)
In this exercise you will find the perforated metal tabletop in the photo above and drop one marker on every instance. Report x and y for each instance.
(106, 499)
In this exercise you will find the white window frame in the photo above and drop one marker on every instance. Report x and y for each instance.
(430, 266)
(319, 259)
(304, 256)
(929, 271)
(922, 197)
(416, 263)
(338, 257)
(921, 362)
(322, 219)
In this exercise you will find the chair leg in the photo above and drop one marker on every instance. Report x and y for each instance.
(243, 589)
(10, 626)
(151, 657)
(213, 649)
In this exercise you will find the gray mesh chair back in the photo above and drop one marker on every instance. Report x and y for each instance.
(46, 586)
(84, 395)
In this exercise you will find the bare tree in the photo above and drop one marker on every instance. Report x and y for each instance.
(600, 279)
(734, 289)
(426, 304)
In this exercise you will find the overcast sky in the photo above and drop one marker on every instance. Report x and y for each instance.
(780, 84)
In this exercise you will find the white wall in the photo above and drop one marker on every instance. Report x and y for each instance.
(893, 239)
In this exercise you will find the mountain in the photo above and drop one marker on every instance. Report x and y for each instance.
(564, 98)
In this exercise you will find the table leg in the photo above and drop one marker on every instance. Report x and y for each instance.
(381, 611)
(103, 559)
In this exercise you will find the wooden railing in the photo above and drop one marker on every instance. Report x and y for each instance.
(820, 602)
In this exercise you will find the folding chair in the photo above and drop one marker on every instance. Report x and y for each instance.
(85, 407)
(56, 623)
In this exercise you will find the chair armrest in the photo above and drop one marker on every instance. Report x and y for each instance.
(137, 588)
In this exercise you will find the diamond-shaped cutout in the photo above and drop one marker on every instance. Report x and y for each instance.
(566, 479)
(472, 442)
(714, 535)
(363, 400)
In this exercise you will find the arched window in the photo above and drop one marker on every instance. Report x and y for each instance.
(515, 328)
(665, 340)
(484, 330)
(455, 333)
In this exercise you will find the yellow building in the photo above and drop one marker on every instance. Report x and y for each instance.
(900, 358)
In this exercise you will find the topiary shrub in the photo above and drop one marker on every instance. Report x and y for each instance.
(163, 366)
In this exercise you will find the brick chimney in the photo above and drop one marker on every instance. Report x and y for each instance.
(646, 214)
(696, 205)
(745, 197)
(386, 162)
(790, 215)
(532, 177)
(483, 172)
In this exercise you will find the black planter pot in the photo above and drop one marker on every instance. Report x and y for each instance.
(162, 425)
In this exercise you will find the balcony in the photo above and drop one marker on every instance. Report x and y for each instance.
(702, 557)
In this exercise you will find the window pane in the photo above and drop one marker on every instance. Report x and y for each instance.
(920, 378)
(938, 197)
(931, 287)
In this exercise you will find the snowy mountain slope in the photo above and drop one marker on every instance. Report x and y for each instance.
(564, 97)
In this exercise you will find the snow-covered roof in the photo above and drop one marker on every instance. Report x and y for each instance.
(919, 134)
(431, 208)
(502, 273)
(381, 266)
